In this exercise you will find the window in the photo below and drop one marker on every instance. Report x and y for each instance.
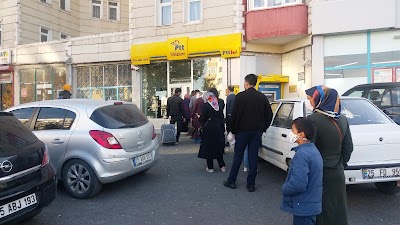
(54, 119)
(274, 107)
(96, 9)
(396, 96)
(193, 10)
(46, 1)
(45, 34)
(113, 11)
(284, 116)
(64, 36)
(119, 116)
(24, 115)
(165, 12)
(254, 4)
(65, 5)
(360, 112)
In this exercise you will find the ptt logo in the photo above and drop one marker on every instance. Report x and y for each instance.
(177, 46)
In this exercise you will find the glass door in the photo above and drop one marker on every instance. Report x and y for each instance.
(185, 87)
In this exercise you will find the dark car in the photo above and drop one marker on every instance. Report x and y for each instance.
(27, 179)
(384, 95)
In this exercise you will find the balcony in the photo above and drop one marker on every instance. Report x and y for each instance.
(278, 26)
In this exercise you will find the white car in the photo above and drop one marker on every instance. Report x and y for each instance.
(376, 139)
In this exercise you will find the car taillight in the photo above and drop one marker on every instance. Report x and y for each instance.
(105, 139)
(46, 157)
(154, 134)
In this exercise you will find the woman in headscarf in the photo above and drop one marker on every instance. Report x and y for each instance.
(186, 113)
(195, 115)
(333, 140)
(221, 104)
(213, 142)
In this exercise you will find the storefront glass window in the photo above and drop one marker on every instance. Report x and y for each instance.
(207, 73)
(180, 72)
(27, 78)
(44, 84)
(154, 78)
(343, 80)
(60, 78)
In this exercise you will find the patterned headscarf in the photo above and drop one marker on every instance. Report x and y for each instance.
(327, 101)
(212, 100)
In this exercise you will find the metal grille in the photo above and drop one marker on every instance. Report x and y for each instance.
(83, 94)
(83, 79)
(125, 94)
(110, 75)
(124, 75)
(96, 73)
(111, 93)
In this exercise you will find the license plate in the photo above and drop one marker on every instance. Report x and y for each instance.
(137, 161)
(17, 205)
(381, 173)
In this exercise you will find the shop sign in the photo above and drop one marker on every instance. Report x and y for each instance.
(293, 89)
(177, 48)
(5, 78)
(397, 74)
(269, 86)
(24, 93)
(140, 60)
(302, 76)
(5, 57)
(383, 75)
(230, 53)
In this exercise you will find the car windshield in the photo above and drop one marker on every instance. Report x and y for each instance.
(361, 111)
(119, 116)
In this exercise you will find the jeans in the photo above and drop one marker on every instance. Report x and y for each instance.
(304, 220)
(252, 140)
(179, 121)
(246, 158)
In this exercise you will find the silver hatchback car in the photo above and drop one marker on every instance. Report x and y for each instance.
(92, 142)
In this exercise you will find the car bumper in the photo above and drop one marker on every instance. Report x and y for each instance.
(354, 174)
(109, 171)
(45, 192)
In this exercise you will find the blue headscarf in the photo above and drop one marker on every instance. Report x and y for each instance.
(327, 101)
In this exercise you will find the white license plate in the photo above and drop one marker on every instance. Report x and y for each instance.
(137, 161)
(17, 205)
(381, 173)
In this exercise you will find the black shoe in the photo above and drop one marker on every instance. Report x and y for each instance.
(250, 187)
(230, 185)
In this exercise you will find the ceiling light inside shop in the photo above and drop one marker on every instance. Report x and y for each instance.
(333, 74)
(386, 62)
(348, 64)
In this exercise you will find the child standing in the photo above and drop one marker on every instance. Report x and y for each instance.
(302, 191)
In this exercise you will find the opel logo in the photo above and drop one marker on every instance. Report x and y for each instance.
(6, 166)
(381, 139)
(140, 134)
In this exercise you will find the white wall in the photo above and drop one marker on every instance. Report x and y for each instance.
(38, 53)
(330, 16)
(317, 70)
(8, 19)
(268, 64)
(344, 84)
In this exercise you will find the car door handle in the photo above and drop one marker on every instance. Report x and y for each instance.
(140, 143)
(284, 135)
(57, 141)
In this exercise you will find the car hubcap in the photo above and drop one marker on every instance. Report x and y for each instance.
(78, 179)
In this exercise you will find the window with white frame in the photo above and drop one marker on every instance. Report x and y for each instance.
(64, 36)
(65, 5)
(255, 4)
(193, 11)
(46, 1)
(165, 12)
(96, 9)
(113, 10)
(45, 34)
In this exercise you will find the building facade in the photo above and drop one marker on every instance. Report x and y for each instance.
(34, 42)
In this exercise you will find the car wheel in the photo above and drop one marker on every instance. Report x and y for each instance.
(80, 180)
(389, 188)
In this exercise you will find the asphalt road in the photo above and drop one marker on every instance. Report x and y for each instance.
(179, 191)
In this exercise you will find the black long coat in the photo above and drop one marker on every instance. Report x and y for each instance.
(213, 142)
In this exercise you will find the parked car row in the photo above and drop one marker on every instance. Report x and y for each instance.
(376, 155)
(83, 143)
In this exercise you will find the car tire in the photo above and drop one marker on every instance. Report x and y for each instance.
(389, 188)
(87, 186)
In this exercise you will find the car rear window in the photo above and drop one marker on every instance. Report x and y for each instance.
(13, 134)
(360, 112)
(119, 116)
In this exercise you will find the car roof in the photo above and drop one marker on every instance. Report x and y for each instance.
(392, 84)
(303, 100)
(88, 105)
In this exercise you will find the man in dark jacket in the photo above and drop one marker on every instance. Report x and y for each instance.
(230, 99)
(175, 111)
(251, 116)
(66, 93)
